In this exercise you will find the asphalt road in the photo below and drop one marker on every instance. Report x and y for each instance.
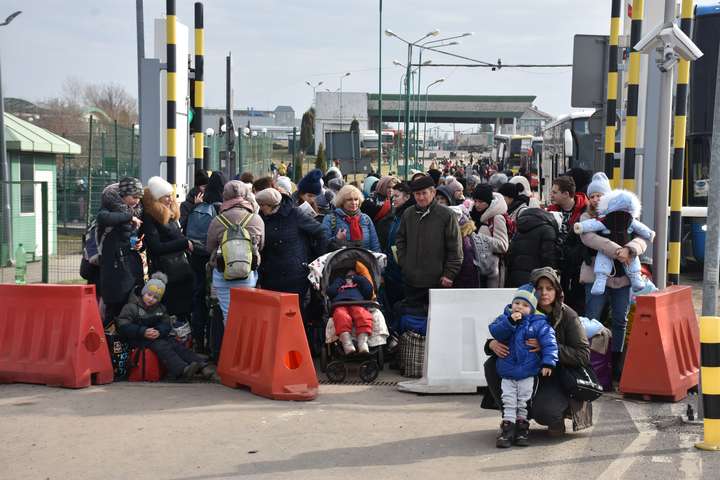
(208, 431)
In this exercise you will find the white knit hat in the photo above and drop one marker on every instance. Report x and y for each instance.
(159, 187)
(599, 184)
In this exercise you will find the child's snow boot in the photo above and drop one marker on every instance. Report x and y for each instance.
(507, 434)
(347, 343)
(362, 340)
(522, 432)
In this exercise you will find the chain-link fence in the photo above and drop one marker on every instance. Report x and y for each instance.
(34, 247)
(254, 154)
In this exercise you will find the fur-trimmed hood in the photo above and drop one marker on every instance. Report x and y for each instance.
(159, 212)
(497, 207)
(620, 201)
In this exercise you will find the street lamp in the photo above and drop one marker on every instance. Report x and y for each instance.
(390, 33)
(5, 163)
(425, 123)
(436, 43)
(314, 87)
(341, 102)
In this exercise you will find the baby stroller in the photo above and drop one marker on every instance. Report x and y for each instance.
(323, 271)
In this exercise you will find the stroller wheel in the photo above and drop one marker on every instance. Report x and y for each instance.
(369, 371)
(324, 358)
(336, 371)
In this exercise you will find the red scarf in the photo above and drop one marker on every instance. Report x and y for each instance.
(355, 228)
(384, 210)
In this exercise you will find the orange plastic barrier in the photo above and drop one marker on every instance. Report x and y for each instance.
(265, 348)
(52, 334)
(663, 355)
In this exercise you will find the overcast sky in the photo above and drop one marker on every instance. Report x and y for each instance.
(279, 45)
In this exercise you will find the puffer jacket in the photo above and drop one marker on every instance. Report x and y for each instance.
(120, 266)
(429, 245)
(573, 345)
(492, 224)
(335, 221)
(521, 362)
(289, 234)
(135, 318)
(163, 238)
(597, 243)
(535, 245)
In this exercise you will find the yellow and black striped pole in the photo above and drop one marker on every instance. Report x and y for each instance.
(171, 90)
(710, 374)
(679, 134)
(611, 170)
(198, 88)
(630, 138)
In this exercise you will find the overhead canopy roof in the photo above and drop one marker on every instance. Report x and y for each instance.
(26, 137)
(454, 108)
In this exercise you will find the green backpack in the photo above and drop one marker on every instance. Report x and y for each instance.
(236, 249)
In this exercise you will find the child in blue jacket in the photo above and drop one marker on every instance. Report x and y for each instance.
(519, 323)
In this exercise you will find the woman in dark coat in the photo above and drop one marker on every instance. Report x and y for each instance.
(214, 190)
(289, 234)
(533, 246)
(550, 403)
(166, 245)
(120, 264)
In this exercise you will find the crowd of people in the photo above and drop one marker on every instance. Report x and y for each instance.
(454, 226)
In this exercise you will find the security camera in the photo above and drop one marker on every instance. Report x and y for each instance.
(669, 38)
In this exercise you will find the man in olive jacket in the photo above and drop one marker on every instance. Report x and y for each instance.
(429, 245)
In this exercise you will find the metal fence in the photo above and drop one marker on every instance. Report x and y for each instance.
(52, 252)
(253, 154)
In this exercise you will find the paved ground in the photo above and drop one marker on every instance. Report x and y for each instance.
(207, 431)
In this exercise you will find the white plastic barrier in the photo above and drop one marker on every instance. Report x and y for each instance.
(456, 334)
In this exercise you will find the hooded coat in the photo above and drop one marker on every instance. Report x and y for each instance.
(521, 362)
(535, 245)
(135, 318)
(288, 237)
(492, 225)
(573, 345)
(163, 238)
(120, 266)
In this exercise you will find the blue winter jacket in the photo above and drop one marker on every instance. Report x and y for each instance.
(521, 363)
(335, 221)
(360, 289)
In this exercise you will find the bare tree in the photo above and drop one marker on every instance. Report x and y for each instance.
(112, 99)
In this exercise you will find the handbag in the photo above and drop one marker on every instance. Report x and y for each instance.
(485, 260)
(580, 383)
(175, 265)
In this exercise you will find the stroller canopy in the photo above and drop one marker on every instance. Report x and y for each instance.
(322, 268)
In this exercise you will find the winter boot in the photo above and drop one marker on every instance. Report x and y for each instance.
(507, 434)
(522, 432)
(209, 372)
(347, 343)
(362, 340)
(617, 365)
(190, 371)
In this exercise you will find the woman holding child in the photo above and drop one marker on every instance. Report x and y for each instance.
(550, 404)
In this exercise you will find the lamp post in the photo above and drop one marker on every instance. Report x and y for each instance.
(5, 163)
(425, 122)
(314, 87)
(341, 105)
(380, 112)
(437, 43)
(390, 33)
